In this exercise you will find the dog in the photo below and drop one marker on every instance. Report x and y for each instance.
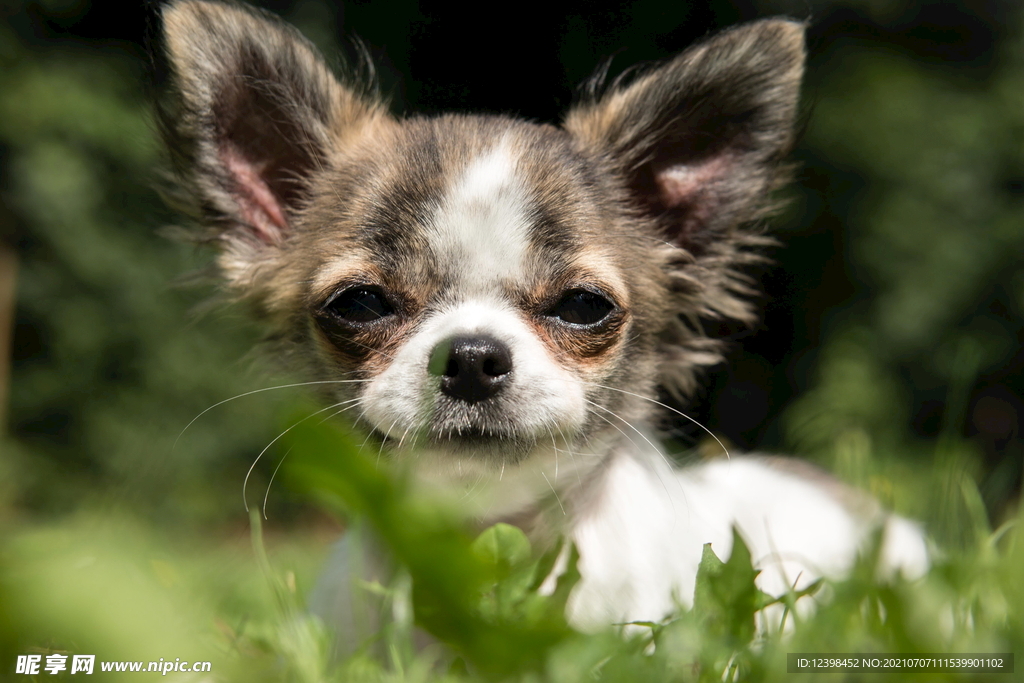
(499, 302)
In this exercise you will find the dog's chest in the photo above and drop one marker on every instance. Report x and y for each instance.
(641, 538)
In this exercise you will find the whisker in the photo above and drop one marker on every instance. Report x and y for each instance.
(370, 348)
(567, 449)
(642, 436)
(248, 474)
(554, 446)
(258, 391)
(572, 456)
(404, 434)
(369, 433)
(628, 438)
(630, 425)
(356, 401)
(270, 483)
(557, 499)
(667, 407)
(380, 450)
(281, 461)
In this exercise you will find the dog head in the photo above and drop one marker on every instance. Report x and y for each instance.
(487, 293)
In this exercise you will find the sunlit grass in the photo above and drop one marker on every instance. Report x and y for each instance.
(109, 586)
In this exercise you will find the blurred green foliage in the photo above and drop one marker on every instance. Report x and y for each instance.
(109, 362)
(972, 601)
(936, 234)
(450, 574)
(107, 586)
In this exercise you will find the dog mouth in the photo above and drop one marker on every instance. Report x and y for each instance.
(467, 441)
(474, 436)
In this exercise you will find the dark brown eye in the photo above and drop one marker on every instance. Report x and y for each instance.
(360, 305)
(581, 307)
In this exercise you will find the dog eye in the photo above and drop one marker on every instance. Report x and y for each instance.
(360, 305)
(580, 307)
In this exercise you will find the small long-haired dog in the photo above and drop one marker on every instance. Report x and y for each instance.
(500, 300)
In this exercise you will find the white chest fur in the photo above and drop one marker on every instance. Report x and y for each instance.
(641, 538)
(640, 527)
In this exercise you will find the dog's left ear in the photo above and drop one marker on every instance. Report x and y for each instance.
(699, 139)
(250, 113)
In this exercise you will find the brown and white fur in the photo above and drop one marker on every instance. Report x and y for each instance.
(499, 301)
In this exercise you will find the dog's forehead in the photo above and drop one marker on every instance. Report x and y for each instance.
(476, 205)
(480, 230)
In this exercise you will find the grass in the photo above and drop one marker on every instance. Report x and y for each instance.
(105, 585)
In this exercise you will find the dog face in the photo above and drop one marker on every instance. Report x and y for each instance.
(486, 293)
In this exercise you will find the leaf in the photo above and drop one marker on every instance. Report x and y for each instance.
(502, 547)
(461, 600)
(725, 596)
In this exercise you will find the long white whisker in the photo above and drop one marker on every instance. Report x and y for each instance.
(382, 441)
(366, 440)
(248, 474)
(554, 445)
(630, 425)
(554, 448)
(667, 407)
(259, 391)
(567, 449)
(572, 456)
(270, 483)
(557, 499)
(370, 348)
(642, 436)
(628, 437)
(404, 434)
(356, 401)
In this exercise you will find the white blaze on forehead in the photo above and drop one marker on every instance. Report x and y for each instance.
(481, 229)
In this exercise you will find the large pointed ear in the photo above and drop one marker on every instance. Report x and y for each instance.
(700, 138)
(249, 113)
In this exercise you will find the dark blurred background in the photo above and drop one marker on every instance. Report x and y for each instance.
(893, 313)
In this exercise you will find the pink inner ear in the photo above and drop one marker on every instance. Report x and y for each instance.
(260, 209)
(689, 185)
(692, 192)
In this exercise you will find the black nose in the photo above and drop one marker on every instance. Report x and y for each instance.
(471, 368)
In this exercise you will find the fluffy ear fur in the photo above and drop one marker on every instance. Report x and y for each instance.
(250, 113)
(699, 142)
(700, 138)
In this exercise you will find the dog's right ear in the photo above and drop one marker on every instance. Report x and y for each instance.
(249, 113)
